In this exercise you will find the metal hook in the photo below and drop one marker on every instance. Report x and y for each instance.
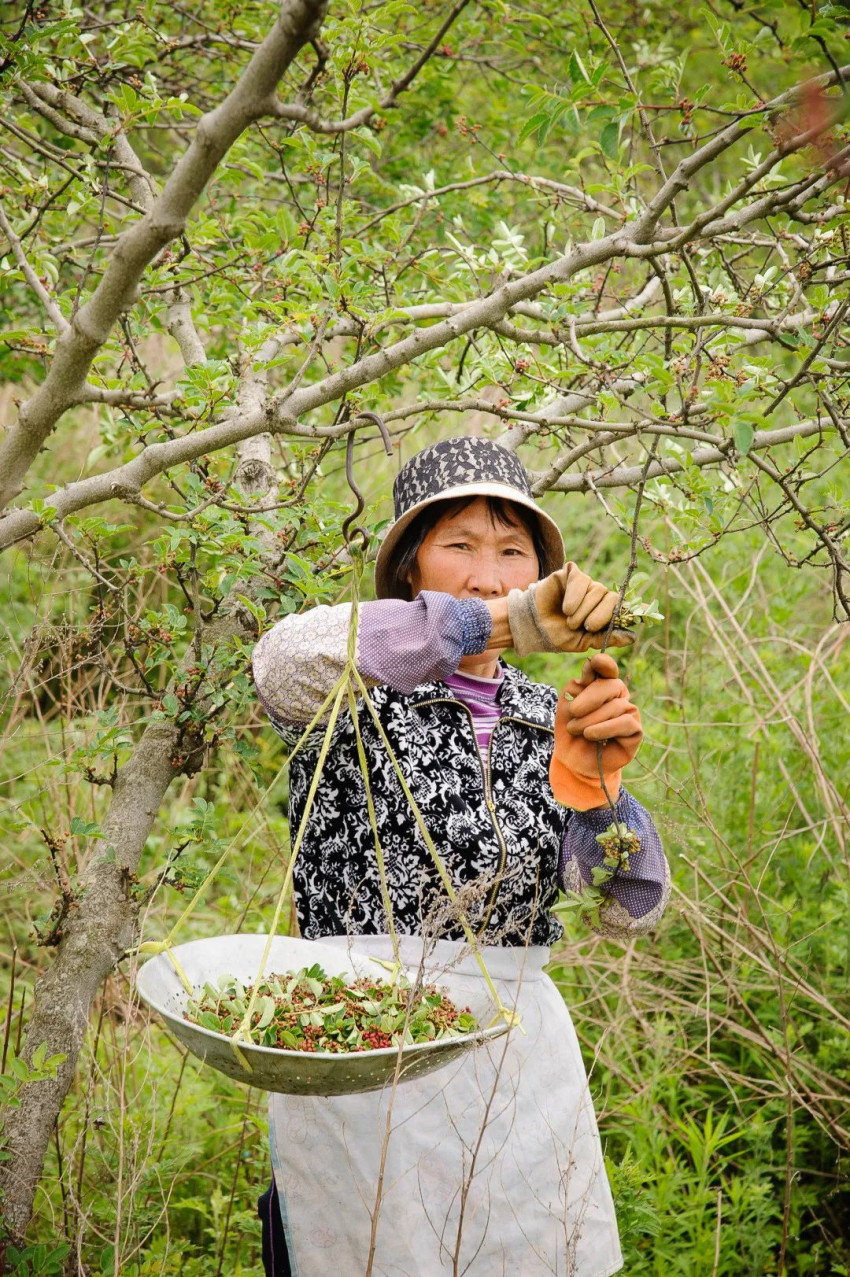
(349, 532)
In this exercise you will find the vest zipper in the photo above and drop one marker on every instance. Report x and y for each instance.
(491, 807)
(488, 796)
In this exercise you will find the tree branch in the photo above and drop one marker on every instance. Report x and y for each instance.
(561, 189)
(216, 132)
(104, 921)
(301, 114)
(687, 168)
(58, 320)
(626, 476)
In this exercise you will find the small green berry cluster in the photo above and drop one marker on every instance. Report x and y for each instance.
(618, 843)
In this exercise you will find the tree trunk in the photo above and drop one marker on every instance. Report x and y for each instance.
(102, 921)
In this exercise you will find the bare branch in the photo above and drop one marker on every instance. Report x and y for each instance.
(81, 558)
(626, 476)
(687, 168)
(58, 320)
(560, 189)
(840, 566)
(301, 114)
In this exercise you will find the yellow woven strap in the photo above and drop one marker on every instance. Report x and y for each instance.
(351, 669)
(164, 946)
(503, 1013)
(172, 956)
(243, 1032)
(379, 854)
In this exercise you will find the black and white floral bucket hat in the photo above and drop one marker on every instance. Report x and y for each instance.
(452, 468)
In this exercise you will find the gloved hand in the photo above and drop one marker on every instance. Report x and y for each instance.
(565, 612)
(594, 707)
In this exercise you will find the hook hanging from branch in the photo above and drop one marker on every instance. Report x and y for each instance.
(350, 529)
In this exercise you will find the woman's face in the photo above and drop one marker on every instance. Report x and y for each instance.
(472, 556)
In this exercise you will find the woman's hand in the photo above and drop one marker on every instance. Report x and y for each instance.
(565, 612)
(593, 708)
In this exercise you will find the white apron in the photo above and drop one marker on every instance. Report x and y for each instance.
(494, 1164)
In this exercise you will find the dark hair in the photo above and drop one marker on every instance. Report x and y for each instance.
(508, 513)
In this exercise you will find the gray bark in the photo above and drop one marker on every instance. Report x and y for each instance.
(100, 925)
(102, 920)
(252, 97)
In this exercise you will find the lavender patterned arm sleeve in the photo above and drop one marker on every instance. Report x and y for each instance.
(297, 662)
(637, 898)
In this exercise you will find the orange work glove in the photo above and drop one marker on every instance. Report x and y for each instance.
(565, 612)
(594, 707)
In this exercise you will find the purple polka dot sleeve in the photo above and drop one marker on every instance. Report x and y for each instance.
(637, 897)
(297, 662)
(405, 644)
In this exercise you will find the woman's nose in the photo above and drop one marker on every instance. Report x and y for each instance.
(485, 577)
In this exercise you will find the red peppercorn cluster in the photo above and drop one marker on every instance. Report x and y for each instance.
(375, 1039)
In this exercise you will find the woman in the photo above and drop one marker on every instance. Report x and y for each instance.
(493, 1165)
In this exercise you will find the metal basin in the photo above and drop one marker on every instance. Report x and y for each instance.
(299, 1072)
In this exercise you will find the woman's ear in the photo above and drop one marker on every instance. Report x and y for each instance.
(408, 579)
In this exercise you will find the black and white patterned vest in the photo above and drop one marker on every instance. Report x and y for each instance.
(499, 834)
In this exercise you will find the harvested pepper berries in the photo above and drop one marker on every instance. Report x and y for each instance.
(308, 1010)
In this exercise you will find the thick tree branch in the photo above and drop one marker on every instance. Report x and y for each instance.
(216, 132)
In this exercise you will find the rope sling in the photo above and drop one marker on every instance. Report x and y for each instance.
(345, 690)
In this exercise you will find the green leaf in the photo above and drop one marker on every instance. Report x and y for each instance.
(534, 123)
(576, 69)
(266, 1008)
(743, 434)
(83, 828)
(609, 140)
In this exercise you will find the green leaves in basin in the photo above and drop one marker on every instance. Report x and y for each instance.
(308, 1010)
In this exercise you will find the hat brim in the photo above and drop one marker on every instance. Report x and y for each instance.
(387, 585)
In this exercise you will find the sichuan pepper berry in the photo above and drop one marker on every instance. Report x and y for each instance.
(311, 1011)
